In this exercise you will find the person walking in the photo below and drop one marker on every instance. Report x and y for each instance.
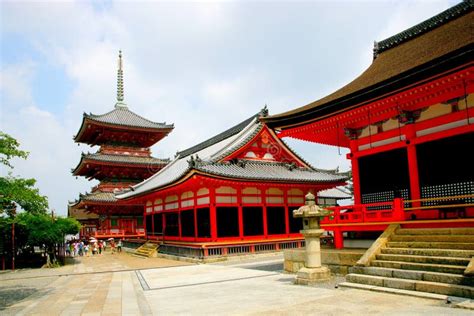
(119, 245)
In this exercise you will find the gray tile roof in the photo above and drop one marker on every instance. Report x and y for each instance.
(270, 171)
(122, 159)
(425, 26)
(98, 196)
(124, 117)
(218, 138)
(214, 150)
(126, 159)
(335, 193)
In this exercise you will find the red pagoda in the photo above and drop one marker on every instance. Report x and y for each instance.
(233, 193)
(123, 159)
(408, 121)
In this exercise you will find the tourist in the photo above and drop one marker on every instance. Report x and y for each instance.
(112, 246)
(119, 245)
(86, 250)
(100, 247)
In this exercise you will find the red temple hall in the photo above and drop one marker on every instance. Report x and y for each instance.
(233, 193)
(123, 159)
(408, 121)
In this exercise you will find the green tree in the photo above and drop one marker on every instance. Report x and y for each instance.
(47, 232)
(15, 191)
(9, 149)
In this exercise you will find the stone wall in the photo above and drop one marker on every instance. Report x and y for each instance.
(338, 260)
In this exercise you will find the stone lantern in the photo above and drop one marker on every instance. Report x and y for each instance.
(313, 271)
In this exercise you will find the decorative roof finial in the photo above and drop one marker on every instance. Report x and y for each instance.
(120, 102)
(376, 49)
(264, 111)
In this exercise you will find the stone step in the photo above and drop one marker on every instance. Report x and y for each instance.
(382, 289)
(414, 275)
(419, 266)
(427, 244)
(436, 231)
(136, 255)
(429, 252)
(425, 259)
(435, 238)
(413, 285)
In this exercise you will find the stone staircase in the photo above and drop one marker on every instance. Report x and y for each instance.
(433, 260)
(147, 250)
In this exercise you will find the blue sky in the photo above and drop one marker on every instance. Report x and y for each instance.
(203, 66)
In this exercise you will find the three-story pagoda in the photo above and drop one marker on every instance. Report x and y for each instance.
(123, 159)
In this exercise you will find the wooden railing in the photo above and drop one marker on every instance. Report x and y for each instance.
(396, 211)
(118, 233)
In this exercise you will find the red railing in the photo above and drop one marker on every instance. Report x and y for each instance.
(117, 233)
(362, 213)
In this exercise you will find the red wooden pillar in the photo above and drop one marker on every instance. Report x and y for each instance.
(287, 215)
(264, 210)
(213, 217)
(240, 212)
(355, 171)
(338, 239)
(413, 165)
(195, 215)
(163, 224)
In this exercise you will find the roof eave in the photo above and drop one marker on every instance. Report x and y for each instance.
(451, 62)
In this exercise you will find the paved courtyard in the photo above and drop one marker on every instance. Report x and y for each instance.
(124, 285)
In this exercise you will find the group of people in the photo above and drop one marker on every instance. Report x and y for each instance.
(95, 247)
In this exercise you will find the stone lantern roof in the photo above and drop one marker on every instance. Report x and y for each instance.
(311, 209)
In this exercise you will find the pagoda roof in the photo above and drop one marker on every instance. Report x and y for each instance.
(440, 43)
(122, 116)
(207, 158)
(139, 161)
(123, 119)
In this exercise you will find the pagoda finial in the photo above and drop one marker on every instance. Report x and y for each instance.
(120, 98)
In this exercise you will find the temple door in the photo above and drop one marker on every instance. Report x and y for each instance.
(128, 226)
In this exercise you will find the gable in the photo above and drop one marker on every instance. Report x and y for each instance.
(266, 146)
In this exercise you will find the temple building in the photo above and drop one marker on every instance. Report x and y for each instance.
(408, 121)
(123, 159)
(233, 193)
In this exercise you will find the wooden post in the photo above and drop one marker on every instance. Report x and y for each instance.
(213, 217)
(240, 213)
(355, 172)
(338, 239)
(413, 166)
(398, 209)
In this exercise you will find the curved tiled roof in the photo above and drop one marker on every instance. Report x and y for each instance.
(124, 117)
(207, 156)
(216, 139)
(442, 42)
(122, 159)
(267, 171)
(99, 196)
(128, 159)
(337, 193)
(424, 26)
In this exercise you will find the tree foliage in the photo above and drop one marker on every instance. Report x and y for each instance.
(45, 230)
(15, 191)
(18, 191)
(9, 148)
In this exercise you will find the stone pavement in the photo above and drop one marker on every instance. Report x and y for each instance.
(124, 285)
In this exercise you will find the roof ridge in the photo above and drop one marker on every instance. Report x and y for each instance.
(434, 22)
(92, 116)
(121, 155)
(217, 138)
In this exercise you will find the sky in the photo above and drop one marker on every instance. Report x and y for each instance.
(204, 66)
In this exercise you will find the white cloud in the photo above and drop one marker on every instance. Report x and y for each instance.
(202, 66)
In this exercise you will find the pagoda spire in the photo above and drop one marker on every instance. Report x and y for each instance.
(120, 98)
